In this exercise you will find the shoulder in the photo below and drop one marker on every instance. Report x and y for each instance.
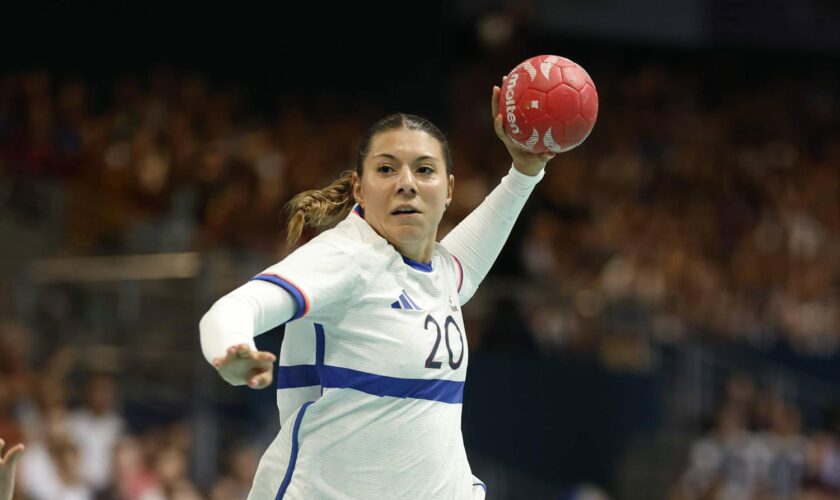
(354, 237)
(443, 253)
(345, 248)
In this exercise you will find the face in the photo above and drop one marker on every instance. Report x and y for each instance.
(405, 168)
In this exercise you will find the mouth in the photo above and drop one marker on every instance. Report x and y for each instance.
(406, 211)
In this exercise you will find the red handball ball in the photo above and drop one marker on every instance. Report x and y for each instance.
(548, 104)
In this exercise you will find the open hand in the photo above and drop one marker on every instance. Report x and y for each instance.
(8, 464)
(525, 162)
(245, 366)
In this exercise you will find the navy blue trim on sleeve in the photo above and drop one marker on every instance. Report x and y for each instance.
(294, 291)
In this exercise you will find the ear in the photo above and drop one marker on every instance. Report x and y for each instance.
(357, 189)
(450, 189)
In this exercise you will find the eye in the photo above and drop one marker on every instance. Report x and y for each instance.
(384, 168)
(426, 169)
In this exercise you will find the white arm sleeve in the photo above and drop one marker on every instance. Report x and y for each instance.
(477, 240)
(241, 315)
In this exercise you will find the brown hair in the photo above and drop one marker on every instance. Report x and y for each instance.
(324, 208)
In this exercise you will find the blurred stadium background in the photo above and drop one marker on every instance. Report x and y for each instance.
(663, 323)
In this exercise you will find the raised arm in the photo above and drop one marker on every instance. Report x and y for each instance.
(477, 241)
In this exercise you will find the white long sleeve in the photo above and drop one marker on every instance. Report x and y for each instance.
(242, 314)
(478, 239)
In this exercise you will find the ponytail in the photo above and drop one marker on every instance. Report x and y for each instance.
(320, 208)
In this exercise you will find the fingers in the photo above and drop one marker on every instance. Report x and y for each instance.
(260, 378)
(243, 351)
(499, 125)
(12, 455)
(494, 102)
(244, 365)
(260, 382)
(264, 356)
(238, 350)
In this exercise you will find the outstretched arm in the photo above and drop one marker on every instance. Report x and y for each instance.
(229, 327)
(477, 241)
(316, 277)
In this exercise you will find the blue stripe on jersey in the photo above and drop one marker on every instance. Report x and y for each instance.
(319, 351)
(396, 305)
(445, 391)
(404, 302)
(292, 459)
(319, 344)
(290, 377)
(292, 289)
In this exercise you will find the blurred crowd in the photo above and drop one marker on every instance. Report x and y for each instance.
(756, 448)
(693, 209)
(78, 443)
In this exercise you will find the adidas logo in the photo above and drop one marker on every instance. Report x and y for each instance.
(405, 302)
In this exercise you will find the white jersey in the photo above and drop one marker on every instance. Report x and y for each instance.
(372, 368)
(371, 374)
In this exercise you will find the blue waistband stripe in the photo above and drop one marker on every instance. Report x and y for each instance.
(444, 391)
(289, 377)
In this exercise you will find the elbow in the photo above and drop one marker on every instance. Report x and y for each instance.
(206, 329)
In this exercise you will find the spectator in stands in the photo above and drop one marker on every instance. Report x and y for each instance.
(8, 468)
(95, 428)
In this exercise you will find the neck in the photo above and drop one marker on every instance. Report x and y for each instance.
(421, 252)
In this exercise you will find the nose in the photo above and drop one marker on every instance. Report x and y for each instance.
(406, 181)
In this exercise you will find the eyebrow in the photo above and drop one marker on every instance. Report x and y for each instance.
(419, 158)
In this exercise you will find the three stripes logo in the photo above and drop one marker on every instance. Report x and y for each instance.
(405, 302)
